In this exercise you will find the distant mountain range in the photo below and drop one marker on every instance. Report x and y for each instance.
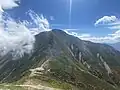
(116, 46)
(63, 61)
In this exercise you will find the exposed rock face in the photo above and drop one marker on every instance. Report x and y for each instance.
(106, 66)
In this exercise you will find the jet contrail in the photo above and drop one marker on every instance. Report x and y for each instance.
(70, 12)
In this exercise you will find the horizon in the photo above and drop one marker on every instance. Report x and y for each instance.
(94, 20)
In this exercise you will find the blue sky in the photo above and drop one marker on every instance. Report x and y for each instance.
(85, 13)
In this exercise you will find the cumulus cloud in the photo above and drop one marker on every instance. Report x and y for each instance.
(17, 37)
(8, 4)
(107, 20)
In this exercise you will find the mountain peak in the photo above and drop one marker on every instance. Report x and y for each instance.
(61, 58)
(58, 31)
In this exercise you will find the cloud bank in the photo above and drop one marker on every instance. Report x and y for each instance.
(89, 37)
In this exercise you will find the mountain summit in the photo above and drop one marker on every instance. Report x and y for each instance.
(63, 61)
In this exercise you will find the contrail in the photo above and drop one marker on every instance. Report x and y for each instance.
(70, 12)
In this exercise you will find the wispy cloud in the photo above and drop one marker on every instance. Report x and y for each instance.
(40, 22)
(114, 27)
(89, 37)
(72, 29)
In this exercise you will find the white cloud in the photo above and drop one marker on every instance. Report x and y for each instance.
(16, 37)
(107, 20)
(116, 34)
(110, 38)
(114, 27)
(110, 22)
(41, 23)
(84, 36)
(8, 4)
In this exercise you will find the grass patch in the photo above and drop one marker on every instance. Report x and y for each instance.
(61, 85)
(11, 87)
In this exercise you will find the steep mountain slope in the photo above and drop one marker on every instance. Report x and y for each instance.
(64, 61)
(116, 46)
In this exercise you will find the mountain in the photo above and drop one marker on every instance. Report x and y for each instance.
(116, 46)
(63, 61)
